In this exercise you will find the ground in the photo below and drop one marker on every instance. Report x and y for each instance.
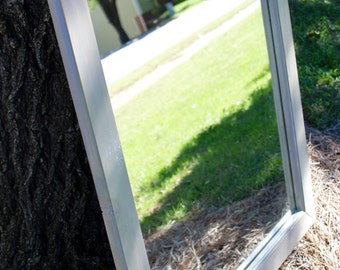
(223, 238)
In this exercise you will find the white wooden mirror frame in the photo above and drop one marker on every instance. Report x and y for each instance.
(81, 59)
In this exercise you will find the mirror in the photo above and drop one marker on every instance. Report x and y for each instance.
(202, 139)
(213, 117)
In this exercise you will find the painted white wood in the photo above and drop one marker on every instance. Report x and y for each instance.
(90, 96)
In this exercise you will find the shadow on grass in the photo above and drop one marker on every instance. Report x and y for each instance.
(225, 163)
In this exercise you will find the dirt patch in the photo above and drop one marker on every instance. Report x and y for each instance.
(223, 238)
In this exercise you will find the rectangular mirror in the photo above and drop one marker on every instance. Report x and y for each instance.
(201, 140)
(218, 135)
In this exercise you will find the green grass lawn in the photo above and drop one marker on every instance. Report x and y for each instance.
(205, 135)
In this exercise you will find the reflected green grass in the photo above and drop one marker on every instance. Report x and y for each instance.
(205, 135)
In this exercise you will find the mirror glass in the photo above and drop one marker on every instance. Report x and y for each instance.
(192, 98)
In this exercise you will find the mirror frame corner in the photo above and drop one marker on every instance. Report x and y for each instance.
(283, 238)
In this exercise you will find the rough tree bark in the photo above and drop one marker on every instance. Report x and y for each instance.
(49, 213)
(111, 12)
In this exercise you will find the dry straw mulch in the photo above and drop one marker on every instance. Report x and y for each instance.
(222, 239)
(320, 247)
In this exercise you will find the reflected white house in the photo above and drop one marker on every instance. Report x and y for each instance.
(133, 15)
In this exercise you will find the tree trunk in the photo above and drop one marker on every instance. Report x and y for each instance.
(111, 12)
(49, 212)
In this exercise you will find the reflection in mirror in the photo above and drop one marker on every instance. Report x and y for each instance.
(199, 133)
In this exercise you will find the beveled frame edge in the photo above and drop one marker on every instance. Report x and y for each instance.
(80, 55)
(283, 238)
(279, 243)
